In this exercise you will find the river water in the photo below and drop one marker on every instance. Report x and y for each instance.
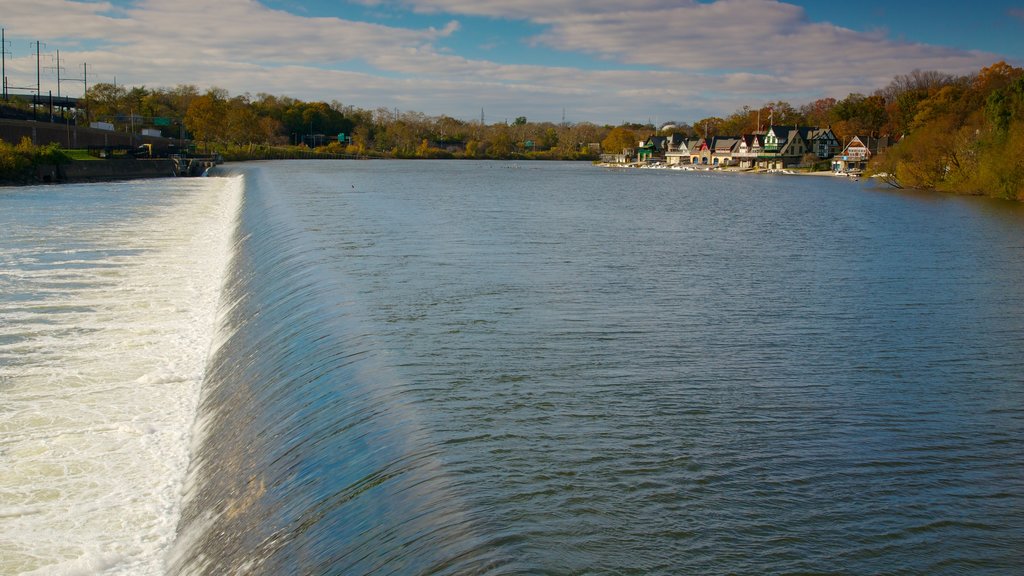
(487, 367)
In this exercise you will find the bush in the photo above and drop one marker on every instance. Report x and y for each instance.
(17, 162)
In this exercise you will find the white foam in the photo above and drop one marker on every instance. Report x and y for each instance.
(99, 380)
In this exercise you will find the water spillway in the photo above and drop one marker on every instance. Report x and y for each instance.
(308, 457)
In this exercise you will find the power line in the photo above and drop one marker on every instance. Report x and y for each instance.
(58, 68)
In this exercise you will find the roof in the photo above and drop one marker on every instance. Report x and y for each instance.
(675, 139)
(726, 142)
(784, 133)
(874, 143)
(658, 142)
(817, 133)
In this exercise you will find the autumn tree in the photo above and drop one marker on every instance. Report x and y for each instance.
(966, 135)
(858, 114)
(449, 130)
(619, 139)
(575, 139)
(501, 144)
(819, 112)
(781, 113)
(709, 126)
(241, 124)
(205, 117)
(548, 139)
(104, 101)
(742, 121)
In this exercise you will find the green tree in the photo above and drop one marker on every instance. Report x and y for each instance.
(1005, 105)
(858, 114)
(549, 139)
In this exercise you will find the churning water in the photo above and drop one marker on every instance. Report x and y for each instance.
(458, 367)
(108, 296)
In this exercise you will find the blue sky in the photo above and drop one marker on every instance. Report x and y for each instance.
(602, 61)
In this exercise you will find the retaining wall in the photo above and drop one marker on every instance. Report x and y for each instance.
(71, 136)
(102, 170)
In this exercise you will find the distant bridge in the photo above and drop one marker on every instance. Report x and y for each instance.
(45, 100)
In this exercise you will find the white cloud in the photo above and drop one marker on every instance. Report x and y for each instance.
(701, 58)
(726, 35)
(525, 9)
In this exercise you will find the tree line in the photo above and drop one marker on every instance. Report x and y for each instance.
(957, 133)
(215, 119)
(962, 134)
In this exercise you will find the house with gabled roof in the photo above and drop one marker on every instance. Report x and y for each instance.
(653, 148)
(678, 152)
(824, 142)
(723, 149)
(748, 150)
(776, 139)
(785, 146)
(644, 151)
(796, 145)
(700, 151)
(674, 140)
(657, 143)
(858, 153)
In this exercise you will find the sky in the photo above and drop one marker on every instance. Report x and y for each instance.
(600, 61)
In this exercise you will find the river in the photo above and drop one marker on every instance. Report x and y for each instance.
(516, 368)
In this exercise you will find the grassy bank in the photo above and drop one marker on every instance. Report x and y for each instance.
(18, 162)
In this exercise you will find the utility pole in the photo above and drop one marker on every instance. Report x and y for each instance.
(59, 105)
(39, 86)
(58, 74)
(3, 72)
(84, 80)
(3, 60)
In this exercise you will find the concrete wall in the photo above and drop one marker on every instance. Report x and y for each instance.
(70, 136)
(103, 170)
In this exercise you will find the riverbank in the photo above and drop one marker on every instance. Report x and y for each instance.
(26, 163)
(83, 171)
(729, 169)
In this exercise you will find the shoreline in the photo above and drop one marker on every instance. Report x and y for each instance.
(731, 170)
(75, 172)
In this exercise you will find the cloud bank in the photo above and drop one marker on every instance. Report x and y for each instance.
(655, 59)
